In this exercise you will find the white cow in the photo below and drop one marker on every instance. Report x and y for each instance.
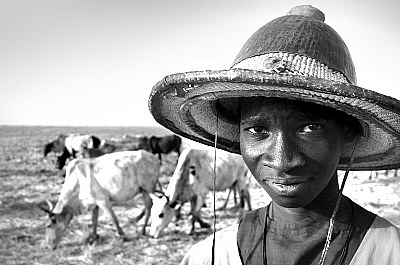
(193, 180)
(98, 182)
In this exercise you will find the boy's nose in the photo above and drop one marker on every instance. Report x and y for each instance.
(283, 154)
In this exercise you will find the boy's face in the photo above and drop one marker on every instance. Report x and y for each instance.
(291, 148)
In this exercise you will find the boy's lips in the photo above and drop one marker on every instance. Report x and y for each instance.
(287, 186)
(286, 180)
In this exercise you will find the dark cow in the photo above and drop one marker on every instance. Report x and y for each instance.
(69, 146)
(165, 144)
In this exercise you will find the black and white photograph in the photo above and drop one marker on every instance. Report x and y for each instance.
(198, 132)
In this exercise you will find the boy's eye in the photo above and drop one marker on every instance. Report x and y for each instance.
(311, 128)
(257, 130)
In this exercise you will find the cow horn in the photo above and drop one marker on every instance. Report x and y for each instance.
(51, 206)
(44, 209)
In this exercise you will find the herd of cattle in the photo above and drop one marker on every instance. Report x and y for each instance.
(99, 173)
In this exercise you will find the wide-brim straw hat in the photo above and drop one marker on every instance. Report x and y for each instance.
(298, 57)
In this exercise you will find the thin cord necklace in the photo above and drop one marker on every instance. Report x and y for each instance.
(214, 199)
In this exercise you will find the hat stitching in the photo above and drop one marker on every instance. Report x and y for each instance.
(289, 63)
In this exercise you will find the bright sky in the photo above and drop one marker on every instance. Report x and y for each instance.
(94, 62)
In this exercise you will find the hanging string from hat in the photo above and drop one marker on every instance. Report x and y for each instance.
(214, 180)
(332, 219)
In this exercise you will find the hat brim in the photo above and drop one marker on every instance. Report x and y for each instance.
(185, 103)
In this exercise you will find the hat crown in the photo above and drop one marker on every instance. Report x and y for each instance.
(302, 32)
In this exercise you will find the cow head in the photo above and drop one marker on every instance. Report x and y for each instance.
(59, 143)
(153, 144)
(48, 148)
(56, 225)
(162, 213)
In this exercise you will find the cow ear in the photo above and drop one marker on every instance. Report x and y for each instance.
(154, 197)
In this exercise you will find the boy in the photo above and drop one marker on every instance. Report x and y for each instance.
(290, 106)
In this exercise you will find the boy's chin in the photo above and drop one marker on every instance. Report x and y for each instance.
(290, 202)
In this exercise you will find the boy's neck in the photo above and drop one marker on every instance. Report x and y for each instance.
(289, 215)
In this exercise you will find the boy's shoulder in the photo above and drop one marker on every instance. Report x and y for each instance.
(381, 244)
(225, 249)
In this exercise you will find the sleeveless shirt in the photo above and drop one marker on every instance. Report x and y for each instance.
(300, 242)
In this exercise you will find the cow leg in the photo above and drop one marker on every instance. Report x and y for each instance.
(194, 217)
(246, 195)
(196, 204)
(147, 204)
(234, 193)
(233, 188)
(227, 199)
(94, 237)
(106, 206)
(143, 212)
(140, 216)
(146, 211)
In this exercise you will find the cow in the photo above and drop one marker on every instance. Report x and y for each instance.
(192, 180)
(165, 144)
(70, 146)
(98, 183)
(132, 143)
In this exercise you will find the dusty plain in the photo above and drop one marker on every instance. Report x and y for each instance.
(27, 179)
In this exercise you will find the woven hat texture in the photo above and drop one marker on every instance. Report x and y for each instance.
(299, 57)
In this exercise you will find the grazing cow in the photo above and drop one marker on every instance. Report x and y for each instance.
(165, 144)
(193, 180)
(71, 146)
(99, 182)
